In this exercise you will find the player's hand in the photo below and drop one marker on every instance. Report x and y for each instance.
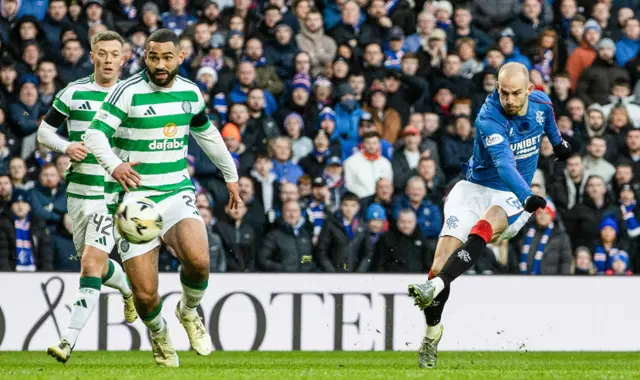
(126, 176)
(77, 151)
(562, 151)
(234, 196)
(533, 203)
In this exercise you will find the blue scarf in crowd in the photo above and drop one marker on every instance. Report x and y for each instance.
(633, 227)
(350, 228)
(24, 254)
(390, 5)
(261, 62)
(43, 159)
(537, 260)
(316, 214)
(393, 59)
(220, 105)
(602, 259)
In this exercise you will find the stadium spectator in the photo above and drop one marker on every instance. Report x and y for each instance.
(628, 46)
(25, 244)
(265, 181)
(280, 150)
(401, 249)
(233, 140)
(288, 248)
(6, 191)
(405, 162)
(458, 148)
(261, 126)
(333, 174)
(318, 206)
(5, 155)
(24, 115)
(595, 163)
(282, 51)
(620, 96)
(583, 221)
(76, 65)
(343, 245)
(48, 197)
(312, 40)
(47, 88)
(596, 81)
(583, 262)
(530, 23)
(608, 247)
(54, 22)
(546, 248)
(567, 190)
(363, 168)
(428, 215)
(240, 12)
(239, 239)
(217, 257)
(426, 23)
(315, 161)
(385, 119)
(584, 55)
(266, 75)
(510, 50)
(246, 79)
(377, 223)
(18, 174)
(462, 27)
(64, 256)
(493, 15)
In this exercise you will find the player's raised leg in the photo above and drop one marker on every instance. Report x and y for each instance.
(141, 264)
(188, 238)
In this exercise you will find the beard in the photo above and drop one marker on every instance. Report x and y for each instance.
(513, 111)
(165, 81)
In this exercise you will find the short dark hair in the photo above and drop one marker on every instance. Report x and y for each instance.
(621, 82)
(65, 43)
(163, 35)
(561, 74)
(271, 7)
(47, 60)
(573, 155)
(370, 135)
(349, 197)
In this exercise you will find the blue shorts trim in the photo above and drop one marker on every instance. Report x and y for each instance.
(512, 219)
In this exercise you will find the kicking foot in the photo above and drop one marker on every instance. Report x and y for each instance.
(198, 336)
(163, 351)
(130, 314)
(423, 294)
(61, 351)
(428, 354)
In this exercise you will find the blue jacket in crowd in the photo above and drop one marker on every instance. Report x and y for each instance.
(626, 50)
(428, 215)
(347, 123)
(48, 206)
(24, 118)
(36, 8)
(236, 95)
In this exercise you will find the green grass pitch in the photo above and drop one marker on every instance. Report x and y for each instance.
(323, 365)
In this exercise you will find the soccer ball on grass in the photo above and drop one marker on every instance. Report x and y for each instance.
(138, 220)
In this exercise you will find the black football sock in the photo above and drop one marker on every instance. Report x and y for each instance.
(462, 259)
(433, 313)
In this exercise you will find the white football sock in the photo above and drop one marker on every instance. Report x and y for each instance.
(432, 332)
(192, 294)
(83, 306)
(154, 321)
(116, 279)
(438, 284)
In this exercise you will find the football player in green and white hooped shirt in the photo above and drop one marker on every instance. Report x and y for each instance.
(149, 117)
(93, 236)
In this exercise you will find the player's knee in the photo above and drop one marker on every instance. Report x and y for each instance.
(92, 263)
(146, 296)
(198, 267)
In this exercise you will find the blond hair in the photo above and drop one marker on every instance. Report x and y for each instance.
(108, 35)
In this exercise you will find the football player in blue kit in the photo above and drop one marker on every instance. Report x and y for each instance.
(495, 199)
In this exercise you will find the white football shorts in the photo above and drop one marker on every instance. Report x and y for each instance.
(468, 201)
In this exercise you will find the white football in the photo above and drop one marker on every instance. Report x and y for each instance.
(138, 220)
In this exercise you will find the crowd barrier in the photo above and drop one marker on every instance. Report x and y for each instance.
(324, 312)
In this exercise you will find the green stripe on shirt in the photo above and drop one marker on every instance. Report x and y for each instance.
(89, 95)
(154, 122)
(80, 115)
(163, 97)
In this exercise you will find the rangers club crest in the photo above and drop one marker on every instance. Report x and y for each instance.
(186, 107)
(540, 117)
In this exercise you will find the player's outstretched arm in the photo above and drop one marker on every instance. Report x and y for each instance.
(210, 140)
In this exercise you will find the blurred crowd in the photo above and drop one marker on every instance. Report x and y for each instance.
(349, 121)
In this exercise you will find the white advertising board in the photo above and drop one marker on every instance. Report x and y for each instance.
(282, 312)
